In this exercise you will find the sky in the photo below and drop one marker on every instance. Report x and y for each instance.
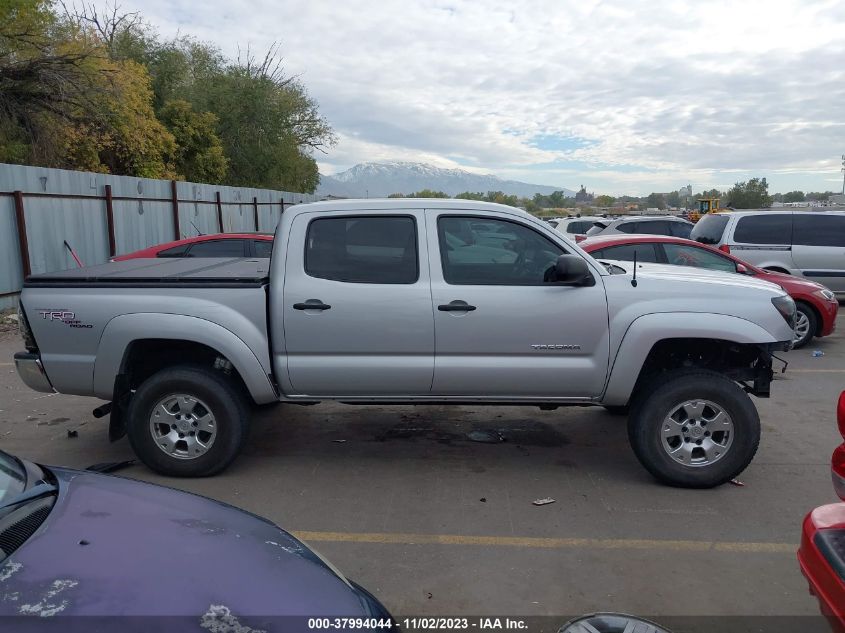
(622, 97)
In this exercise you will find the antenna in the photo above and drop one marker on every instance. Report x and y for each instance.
(634, 278)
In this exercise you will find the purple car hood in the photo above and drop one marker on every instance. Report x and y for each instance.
(115, 547)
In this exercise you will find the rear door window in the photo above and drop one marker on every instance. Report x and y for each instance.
(683, 255)
(625, 252)
(579, 227)
(772, 228)
(819, 230)
(218, 248)
(709, 229)
(363, 250)
(657, 227)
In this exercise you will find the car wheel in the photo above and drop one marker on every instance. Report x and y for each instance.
(694, 428)
(806, 324)
(188, 421)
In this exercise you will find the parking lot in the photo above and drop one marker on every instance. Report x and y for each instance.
(408, 502)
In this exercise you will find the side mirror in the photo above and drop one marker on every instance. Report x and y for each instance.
(742, 269)
(571, 270)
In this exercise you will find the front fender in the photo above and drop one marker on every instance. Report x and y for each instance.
(121, 331)
(645, 331)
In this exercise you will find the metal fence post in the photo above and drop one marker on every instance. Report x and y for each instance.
(255, 210)
(175, 200)
(110, 222)
(219, 212)
(22, 241)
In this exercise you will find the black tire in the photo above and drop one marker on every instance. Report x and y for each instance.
(805, 310)
(666, 392)
(617, 409)
(224, 399)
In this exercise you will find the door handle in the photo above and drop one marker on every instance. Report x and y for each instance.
(455, 307)
(312, 304)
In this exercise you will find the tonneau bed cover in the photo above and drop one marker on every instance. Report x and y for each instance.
(205, 272)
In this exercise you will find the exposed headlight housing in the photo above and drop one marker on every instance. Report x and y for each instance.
(826, 294)
(786, 306)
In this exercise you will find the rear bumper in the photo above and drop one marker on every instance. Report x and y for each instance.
(822, 564)
(31, 371)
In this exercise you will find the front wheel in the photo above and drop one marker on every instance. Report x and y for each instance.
(694, 429)
(806, 324)
(187, 421)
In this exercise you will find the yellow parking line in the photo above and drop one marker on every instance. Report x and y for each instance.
(6, 364)
(546, 543)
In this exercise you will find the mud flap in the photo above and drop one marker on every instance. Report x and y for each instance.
(120, 404)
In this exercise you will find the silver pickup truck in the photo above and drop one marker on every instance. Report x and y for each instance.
(412, 302)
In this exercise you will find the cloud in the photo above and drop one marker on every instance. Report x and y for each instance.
(620, 96)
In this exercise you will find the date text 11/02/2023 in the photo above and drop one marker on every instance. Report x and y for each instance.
(419, 624)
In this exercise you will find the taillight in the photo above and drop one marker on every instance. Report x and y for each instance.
(580, 238)
(840, 414)
(725, 249)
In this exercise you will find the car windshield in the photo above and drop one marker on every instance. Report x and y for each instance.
(12, 477)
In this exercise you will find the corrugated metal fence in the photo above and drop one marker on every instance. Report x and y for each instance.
(101, 215)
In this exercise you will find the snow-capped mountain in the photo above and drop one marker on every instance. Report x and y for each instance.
(378, 180)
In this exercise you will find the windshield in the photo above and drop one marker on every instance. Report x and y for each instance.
(12, 477)
(709, 229)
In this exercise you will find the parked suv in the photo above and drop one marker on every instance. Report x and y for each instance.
(808, 243)
(650, 225)
(576, 226)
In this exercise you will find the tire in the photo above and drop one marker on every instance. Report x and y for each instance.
(807, 321)
(708, 460)
(217, 439)
(620, 410)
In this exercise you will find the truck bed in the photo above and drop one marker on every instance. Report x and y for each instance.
(203, 272)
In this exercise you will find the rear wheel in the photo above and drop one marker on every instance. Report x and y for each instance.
(694, 428)
(187, 421)
(806, 324)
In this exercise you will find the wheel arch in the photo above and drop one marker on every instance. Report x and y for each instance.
(663, 341)
(177, 339)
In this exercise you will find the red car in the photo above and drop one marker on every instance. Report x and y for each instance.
(817, 305)
(214, 245)
(822, 551)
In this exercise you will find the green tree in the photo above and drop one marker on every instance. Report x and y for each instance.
(752, 194)
(673, 199)
(429, 193)
(604, 201)
(199, 154)
(655, 200)
(794, 196)
(65, 103)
